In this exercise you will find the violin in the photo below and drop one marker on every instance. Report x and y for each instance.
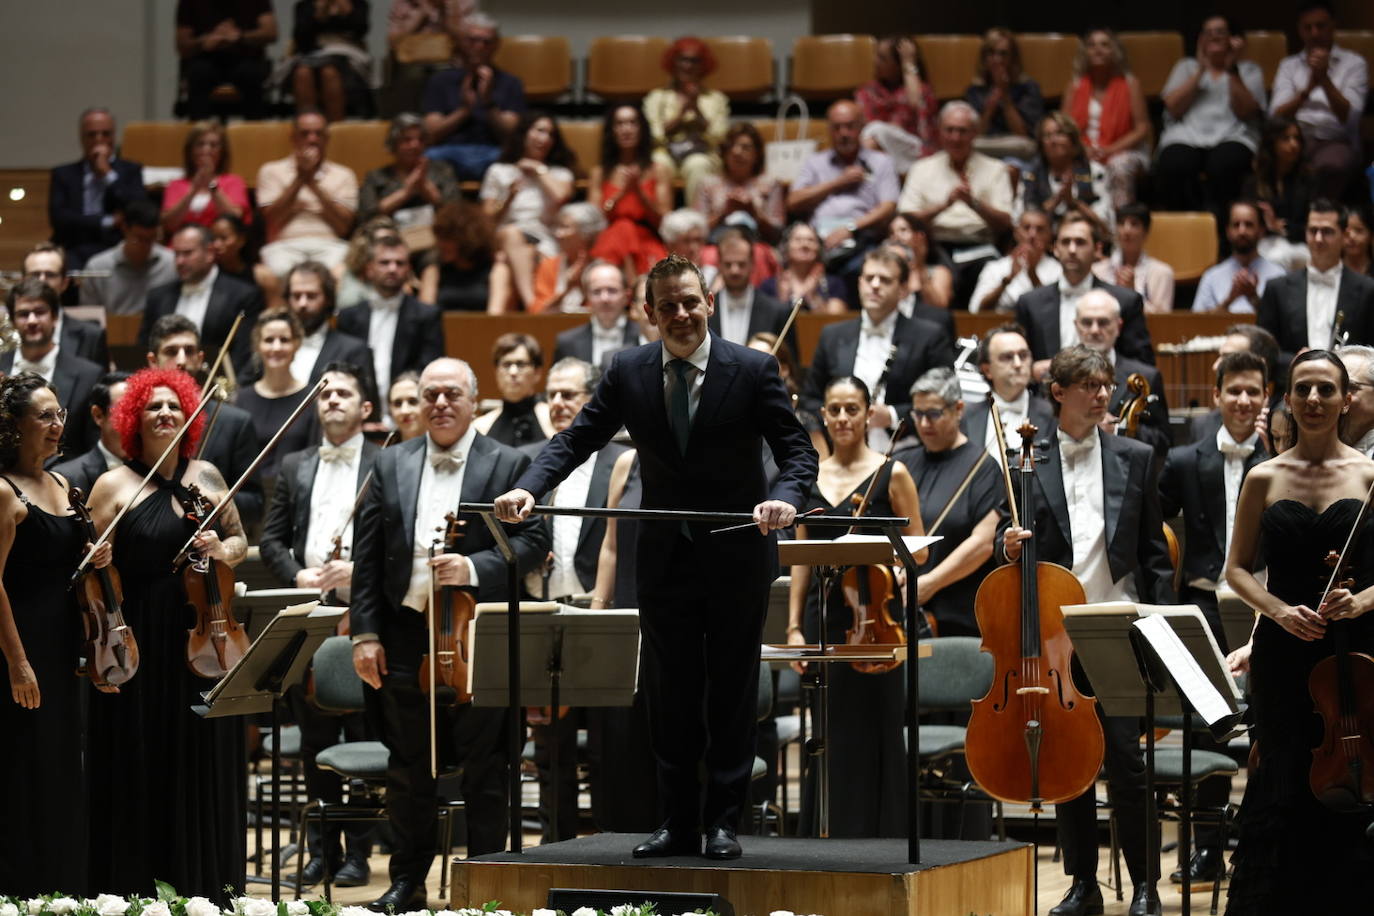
(1033, 738)
(451, 609)
(869, 590)
(217, 641)
(1133, 409)
(109, 647)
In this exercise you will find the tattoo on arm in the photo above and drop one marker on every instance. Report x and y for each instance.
(211, 479)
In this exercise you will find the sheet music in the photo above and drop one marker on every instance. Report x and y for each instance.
(1206, 701)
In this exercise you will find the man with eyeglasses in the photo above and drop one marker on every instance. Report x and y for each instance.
(1098, 321)
(1097, 513)
(48, 262)
(417, 483)
(522, 419)
(1004, 358)
(1359, 419)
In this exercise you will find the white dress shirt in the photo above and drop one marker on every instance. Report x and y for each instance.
(440, 493)
(1069, 295)
(45, 365)
(567, 530)
(1047, 270)
(1322, 287)
(698, 360)
(381, 337)
(870, 359)
(195, 299)
(331, 499)
(1083, 489)
(735, 314)
(1234, 455)
(303, 363)
(1349, 73)
(607, 340)
(1014, 413)
(112, 460)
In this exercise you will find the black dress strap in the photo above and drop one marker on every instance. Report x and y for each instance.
(17, 492)
(178, 489)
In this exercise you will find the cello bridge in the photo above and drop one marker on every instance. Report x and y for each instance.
(1021, 691)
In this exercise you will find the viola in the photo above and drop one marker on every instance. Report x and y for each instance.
(1033, 738)
(451, 609)
(1133, 410)
(217, 641)
(1342, 688)
(109, 646)
(869, 591)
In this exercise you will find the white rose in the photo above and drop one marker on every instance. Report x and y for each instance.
(584, 911)
(156, 908)
(62, 906)
(251, 906)
(8, 909)
(540, 912)
(782, 913)
(297, 907)
(199, 906)
(349, 911)
(110, 905)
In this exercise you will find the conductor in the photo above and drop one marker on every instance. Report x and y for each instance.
(698, 409)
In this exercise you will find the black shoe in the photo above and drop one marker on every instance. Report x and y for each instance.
(721, 844)
(354, 873)
(401, 897)
(1145, 902)
(1083, 899)
(1206, 864)
(667, 842)
(312, 874)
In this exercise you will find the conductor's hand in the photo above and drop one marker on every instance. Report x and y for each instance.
(1011, 542)
(369, 660)
(772, 514)
(451, 569)
(514, 506)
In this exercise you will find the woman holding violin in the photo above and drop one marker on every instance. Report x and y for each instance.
(40, 637)
(1296, 854)
(167, 786)
(867, 757)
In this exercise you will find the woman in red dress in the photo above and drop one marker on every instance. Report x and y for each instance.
(632, 191)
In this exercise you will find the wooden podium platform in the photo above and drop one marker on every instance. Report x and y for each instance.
(834, 877)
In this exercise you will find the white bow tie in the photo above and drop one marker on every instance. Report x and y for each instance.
(342, 453)
(1322, 278)
(446, 462)
(192, 289)
(1072, 451)
(387, 305)
(1235, 449)
(873, 330)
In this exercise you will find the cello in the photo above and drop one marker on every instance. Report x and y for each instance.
(1033, 738)
(869, 590)
(217, 641)
(109, 646)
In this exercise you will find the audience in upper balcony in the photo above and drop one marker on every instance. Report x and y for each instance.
(208, 189)
(307, 201)
(742, 195)
(442, 20)
(930, 280)
(133, 267)
(464, 273)
(331, 70)
(687, 120)
(1213, 106)
(84, 196)
(1008, 103)
(1236, 284)
(1323, 88)
(1357, 252)
(521, 195)
(412, 185)
(898, 104)
(803, 274)
(558, 281)
(222, 43)
(471, 108)
(633, 191)
(1027, 266)
(1105, 101)
(1282, 185)
(1063, 178)
(1128, 265)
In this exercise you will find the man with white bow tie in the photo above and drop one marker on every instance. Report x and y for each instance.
(415, 485)
(1004, 358)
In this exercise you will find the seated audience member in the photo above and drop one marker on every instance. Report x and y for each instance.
(684, 234)
(1129, 265)
(403, 406)
(1357, 249)
(1247, 338)
(1063, 178)
(208, 189)
(276, 338)
(1236, 284)
(1105, 101)
(310, 295)
(803, 274)
(131, 268)
(558, 280)
(741, 310)
(1004, 358)
(403, 332)
(964, 196)
(47, 262)
(1028, 266)
(606, 295)
(464, 273)
(307, 202)
(1007, 103)
(222, 43)
(633, 191)
(1213, 105)
(84, 196)
(33, 309)
(523, 417)
(898, 104)
(209, 299)
(521, 195)
(1283, 185)
(742, 195)
(687, 120)
(1323, 88)
(1358, 430)
(932, 282)
(354, 287)
(410, 19)
(107, 453)
(472, 107)
(847, 193)
(412, 186)
(912, 304)
(230, 240)
(1098, 320)
(331, 70)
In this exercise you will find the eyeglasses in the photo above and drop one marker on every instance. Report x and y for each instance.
(432, 395)
(515, 365)
(1089, 322)
(930, 416)
(1089, 386)
(565, 394)
(52, 417)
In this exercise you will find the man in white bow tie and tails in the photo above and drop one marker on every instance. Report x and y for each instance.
(415, 485)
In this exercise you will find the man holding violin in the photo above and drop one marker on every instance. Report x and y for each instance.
(1097, 513)
(396, 582)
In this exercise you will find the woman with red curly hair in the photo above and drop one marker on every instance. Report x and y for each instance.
(169, 779)
(688, 121)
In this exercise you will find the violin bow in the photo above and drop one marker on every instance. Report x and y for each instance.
(995, 416)
(787, 326)
(872, 481)
(968, 479)
(1349, 540)
(209, 377)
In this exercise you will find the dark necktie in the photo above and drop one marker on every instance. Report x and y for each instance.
(679, 414)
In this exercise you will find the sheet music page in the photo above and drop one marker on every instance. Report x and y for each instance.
(1183, 668)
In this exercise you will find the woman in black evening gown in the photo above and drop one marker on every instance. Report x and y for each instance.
(168, 787)
(867, 755)
(41, 541)
(1296, 856)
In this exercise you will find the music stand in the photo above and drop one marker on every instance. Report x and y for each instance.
(277, 658)
(257, 608)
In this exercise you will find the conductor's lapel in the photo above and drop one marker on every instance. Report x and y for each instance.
(721, 370)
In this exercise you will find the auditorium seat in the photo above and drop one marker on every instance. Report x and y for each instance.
(1151, 55)
(744, 70)
(583, 138)
(1361, 41)
(252, 143)
(830, 66)
(622, 68)
(1266, 49)
(1047, 58)
(543, 63)
(360, 145)
(155, 143)
(1187, 242)
(423, 48)
(816, 129)
(951, 60)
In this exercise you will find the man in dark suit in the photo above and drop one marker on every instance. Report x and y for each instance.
(107, 453)
(1004, 358)
(1202, 481)
(405, 335)
(700, 443)
(609, 329)
(1241, 338)
(1098, 321)
(84, 195)
(1097, 513)
(741, 310)
(312, 505)
(886, 350)
(1047, 312)
(209, 298)
(1323, 290)
(33, 307)
(416, 483)
(230, 442)
(48, 262)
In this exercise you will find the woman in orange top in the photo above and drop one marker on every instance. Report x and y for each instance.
(632, 190)
(1106, 102)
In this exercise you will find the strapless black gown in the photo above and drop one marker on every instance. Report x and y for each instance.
(1296, 856)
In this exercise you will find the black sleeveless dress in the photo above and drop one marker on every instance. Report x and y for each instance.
(43, 848)
(168, 787)
(1296, 856)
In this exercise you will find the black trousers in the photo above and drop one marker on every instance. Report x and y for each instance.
(319, 731)
(206, 72)
(564, 732)
(1201, 178)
